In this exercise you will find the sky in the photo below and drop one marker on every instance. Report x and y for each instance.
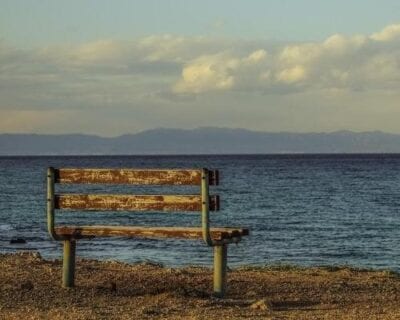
(115, 67)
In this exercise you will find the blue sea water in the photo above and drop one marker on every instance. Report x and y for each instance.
(301, 209)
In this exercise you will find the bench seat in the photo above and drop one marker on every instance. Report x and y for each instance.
(217, 234)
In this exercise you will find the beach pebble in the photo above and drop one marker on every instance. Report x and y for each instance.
(260, 305)
(27, 285)
(112, 286)
(108, 285)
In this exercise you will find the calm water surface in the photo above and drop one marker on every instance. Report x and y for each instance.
(301, 209)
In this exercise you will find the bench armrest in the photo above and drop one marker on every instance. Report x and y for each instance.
(50, 204)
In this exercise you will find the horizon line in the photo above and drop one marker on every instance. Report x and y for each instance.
(198, 128)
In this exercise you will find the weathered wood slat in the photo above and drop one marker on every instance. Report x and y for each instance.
(109, 202)
(217, 234)
(134, 176)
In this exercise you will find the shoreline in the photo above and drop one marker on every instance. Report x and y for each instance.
(31, 288)
(275, 266)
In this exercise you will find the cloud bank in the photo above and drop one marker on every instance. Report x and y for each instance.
(358, 62)
(164, 74)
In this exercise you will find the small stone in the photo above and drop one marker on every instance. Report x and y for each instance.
(113, 286)
(151, 310)
(150, 263)
(28, 285)
(181, 271)
(260, 305)
(108, 285)
(251, 293)
(36, 256)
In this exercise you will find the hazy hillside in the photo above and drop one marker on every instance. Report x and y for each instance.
(200, 141)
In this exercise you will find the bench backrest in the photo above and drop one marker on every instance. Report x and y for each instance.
(203, 201)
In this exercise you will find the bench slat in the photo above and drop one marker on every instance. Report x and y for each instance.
(217, 234)
(133, 202)
(133, 176)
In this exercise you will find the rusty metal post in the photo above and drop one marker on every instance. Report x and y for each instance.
(69, 263)
(220, 266)
(205, 207)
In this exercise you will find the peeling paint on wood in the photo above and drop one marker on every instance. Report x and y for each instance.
(217, 234)
(109, 202)
(133, 176)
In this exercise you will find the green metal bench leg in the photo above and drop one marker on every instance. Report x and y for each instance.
(69, 263)
(220, 266)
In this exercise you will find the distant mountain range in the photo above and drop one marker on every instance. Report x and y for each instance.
(200, 141)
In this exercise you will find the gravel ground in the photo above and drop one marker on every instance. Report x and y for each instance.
(30, 288)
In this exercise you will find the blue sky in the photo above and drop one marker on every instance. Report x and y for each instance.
(42, 22)
(114, 67)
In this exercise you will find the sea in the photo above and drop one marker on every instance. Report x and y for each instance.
(305, 210)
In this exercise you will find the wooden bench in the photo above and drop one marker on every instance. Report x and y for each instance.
(219, 238)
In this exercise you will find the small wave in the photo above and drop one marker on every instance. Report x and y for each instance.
(6, 227)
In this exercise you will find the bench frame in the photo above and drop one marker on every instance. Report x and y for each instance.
(220, 246)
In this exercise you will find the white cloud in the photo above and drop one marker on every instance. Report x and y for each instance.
(208, 73)
(163, 47)
(256, 56)
(389, 33)
(98, 51)
(218, 72)
(292, 75)
(359, 62)
(299, 54)
(340, 45)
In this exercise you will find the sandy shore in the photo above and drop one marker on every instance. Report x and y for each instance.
(30, 289)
